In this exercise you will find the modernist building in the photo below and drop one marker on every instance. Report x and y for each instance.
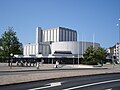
(56, 43)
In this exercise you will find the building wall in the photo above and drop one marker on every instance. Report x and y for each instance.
(73, 46)
(67, 34)
(35, 49)
(30, 49)
(59, 34)
(114, 51)
(51, 35)
(39, 35)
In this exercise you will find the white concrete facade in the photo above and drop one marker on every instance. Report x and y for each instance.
(59, 34)
(56, 39)
(30, 49)
(72, 46)
(33, 49)
(39, 35)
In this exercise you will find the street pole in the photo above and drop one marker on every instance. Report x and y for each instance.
(9, 54)
(73, 60)
(82, 45)
(93, 41)
(119, 38)
(78, 50)
(11, 60)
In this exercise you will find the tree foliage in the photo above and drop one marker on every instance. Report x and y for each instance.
(9, 43)
(94, 55)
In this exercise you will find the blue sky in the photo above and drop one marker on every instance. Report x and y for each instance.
(86, 16)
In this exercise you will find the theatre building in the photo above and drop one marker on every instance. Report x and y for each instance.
(57, 44)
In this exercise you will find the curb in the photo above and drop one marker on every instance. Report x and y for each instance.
(56, 69)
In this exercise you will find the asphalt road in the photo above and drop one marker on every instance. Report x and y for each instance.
(96, 82)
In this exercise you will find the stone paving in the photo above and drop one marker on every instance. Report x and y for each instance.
(47, 71)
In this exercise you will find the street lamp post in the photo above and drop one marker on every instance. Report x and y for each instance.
(119, 40)
(11, 60)
(73, 60)
(8, 53)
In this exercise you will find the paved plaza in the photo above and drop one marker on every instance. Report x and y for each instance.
(47, 71)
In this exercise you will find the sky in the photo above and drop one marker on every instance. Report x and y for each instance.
(87, 17)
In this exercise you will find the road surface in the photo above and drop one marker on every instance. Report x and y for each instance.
(93, 82)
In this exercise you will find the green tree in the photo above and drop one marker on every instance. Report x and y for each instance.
(9, 43)
(89, 56)
(101, 54)
(93, 56)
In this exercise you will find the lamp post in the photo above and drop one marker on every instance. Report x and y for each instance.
(73, 60)
(119, 40)
(9, 53)
(11, 60)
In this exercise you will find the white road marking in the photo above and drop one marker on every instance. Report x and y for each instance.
(50, 85)
(92, 84)
(109, 89)
(55, 84)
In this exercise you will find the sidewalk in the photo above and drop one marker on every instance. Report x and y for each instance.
(47, 71)
(5, 67)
